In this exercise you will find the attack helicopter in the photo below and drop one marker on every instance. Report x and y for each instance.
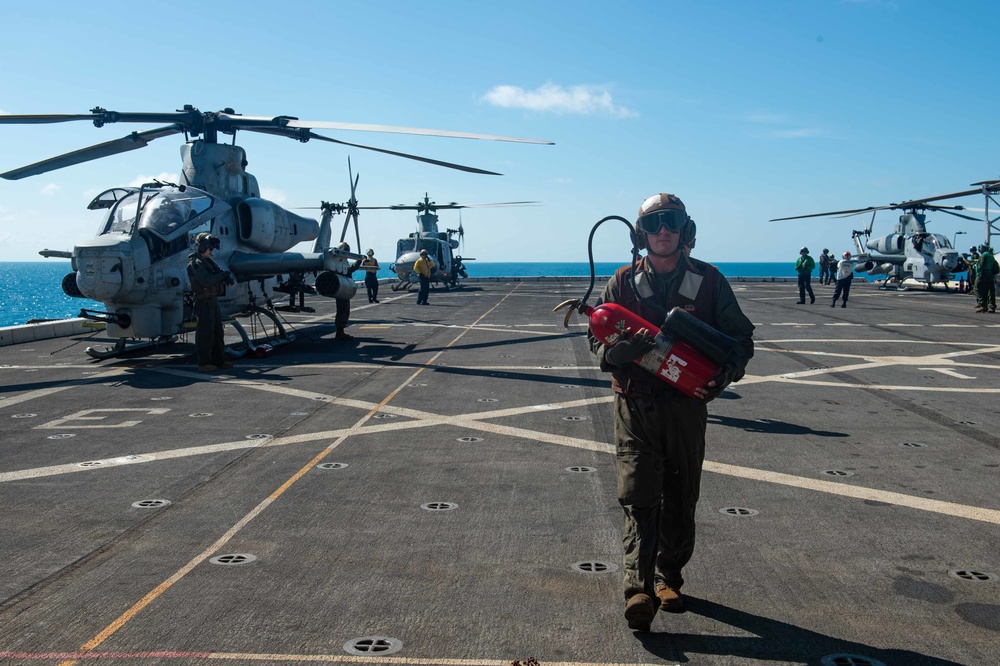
(909, 252)
(440, 245)
(136, 264)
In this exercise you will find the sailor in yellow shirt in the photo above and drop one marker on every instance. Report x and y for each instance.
(423, 267)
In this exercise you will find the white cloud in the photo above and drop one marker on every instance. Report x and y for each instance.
(164, 177)
(272, 194)
(580, 100)
(763, 118)
(802, 133)
(50, 189)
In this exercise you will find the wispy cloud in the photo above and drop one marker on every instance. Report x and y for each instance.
(272, 194)
(782, 126)
(50, 190)
(164, 177)
(801, 133)
(581, 100)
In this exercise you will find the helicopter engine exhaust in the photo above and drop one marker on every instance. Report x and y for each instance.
(267, 227)
(335, 285)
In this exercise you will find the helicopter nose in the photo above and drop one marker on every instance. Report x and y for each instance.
(101, 268)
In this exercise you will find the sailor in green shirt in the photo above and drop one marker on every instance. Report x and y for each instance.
(804, 266)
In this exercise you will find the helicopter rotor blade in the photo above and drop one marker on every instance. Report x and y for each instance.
(41, 119)
(390, 129)
(305, 135)
(842, 213)
(133, 141)
(951, 212)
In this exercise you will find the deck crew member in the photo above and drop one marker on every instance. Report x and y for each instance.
(826, 264)
(804, 266)
(423, 267)
(845, 275)
(343, 315)
(660, 432)
(370, 264)
(208, 282)
(986, 275)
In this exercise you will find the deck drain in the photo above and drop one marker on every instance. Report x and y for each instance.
(837, 472)
(416, 385)
(64, 435)
(362, 373)
(506, 356)
(321, 398)
(965, 423)
(384, 416)
(89, 372)
(199, 415)
(977, 576)
(259, 435)
(231, 559)
(151, 503)
(912, 445)
(368, 646)
(487, 400)
(439, 506)
(162, 397)
(470, 439)
(331, 465)
(581, 470)
(567, 386)
(132, 457)
(849, 660)
(545, 367)
(23, 416)
(593, 566)
(739, 511)
(300, 414)
(574, 418)
(91, 463)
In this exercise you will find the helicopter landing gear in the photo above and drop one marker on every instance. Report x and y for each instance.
(281, 336)
(402, 285)
(123, 346)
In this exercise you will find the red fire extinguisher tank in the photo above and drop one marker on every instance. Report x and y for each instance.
(671, 360)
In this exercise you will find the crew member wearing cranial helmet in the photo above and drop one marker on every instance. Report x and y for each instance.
(343, 315)
(659, 431)
(370, 264)
(845, 275)
(804, 266)
(208, 282)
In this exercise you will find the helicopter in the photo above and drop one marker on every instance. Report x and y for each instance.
(136, 263)
(440, 245)
(910, 251)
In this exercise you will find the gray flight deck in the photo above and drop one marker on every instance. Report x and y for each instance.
(441, 490)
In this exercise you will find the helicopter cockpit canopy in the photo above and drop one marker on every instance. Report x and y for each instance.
(165, 211)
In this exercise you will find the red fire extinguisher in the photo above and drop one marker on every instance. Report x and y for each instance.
(672, 360)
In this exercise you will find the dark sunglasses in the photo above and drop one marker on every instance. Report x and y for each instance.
(673, 220)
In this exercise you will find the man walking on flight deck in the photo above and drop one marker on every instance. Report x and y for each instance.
(659, 431)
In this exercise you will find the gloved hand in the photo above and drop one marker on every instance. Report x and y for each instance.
(230, 280)
(631, 348)
(717, 384)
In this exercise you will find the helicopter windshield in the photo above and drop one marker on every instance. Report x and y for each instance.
(163, 212)
(171, 210)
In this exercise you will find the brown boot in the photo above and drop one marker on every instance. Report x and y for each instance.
(670, 599)
(639, 611)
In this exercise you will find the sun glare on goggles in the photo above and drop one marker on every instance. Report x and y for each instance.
(674, 220)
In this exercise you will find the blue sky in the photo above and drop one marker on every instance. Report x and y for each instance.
(747, 110)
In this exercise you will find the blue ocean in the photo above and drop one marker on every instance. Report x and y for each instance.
(32, 290)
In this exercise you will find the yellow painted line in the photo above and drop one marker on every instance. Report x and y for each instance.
(857, 492)
(156, 592)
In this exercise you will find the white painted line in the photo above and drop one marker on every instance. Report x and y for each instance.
(950, 373)
(858, 492)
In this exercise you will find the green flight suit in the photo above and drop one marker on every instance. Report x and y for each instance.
(986, 274)
(660, 446)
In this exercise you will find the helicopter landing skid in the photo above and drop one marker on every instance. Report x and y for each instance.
(123, 346)
(283, 337)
